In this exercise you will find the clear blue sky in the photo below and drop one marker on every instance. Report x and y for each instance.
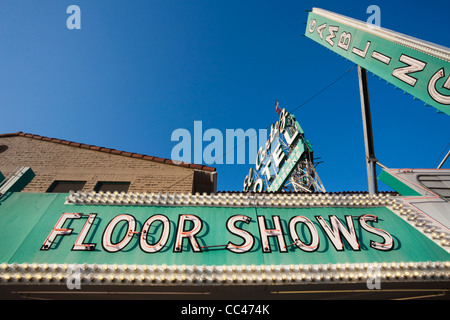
(138, 70)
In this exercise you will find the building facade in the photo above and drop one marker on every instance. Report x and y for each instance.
(61, 165)
(153, 242)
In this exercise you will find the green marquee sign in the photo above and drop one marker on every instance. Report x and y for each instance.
(45, 228)
(419, 68)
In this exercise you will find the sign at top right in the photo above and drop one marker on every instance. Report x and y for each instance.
(420, 68)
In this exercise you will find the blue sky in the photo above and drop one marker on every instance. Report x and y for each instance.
(138, 70)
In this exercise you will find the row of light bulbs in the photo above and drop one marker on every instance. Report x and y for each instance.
(245, 274)
(244, 279)
(224, 268)
(422, 222)
(227, 199)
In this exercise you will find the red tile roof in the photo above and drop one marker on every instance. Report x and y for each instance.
(108, 150)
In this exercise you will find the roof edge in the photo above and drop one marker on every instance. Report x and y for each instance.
(109, 150)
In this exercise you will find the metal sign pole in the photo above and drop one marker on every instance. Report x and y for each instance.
(367, 127)
(443, 160)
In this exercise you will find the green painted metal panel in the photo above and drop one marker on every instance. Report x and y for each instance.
(292, 161)
(290, 164)
(407, 63)
(20, 215)
(26, 219)
(397, 185)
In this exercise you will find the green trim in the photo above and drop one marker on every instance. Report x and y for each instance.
(397, 185)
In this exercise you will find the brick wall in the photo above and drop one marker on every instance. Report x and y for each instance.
(52, 161)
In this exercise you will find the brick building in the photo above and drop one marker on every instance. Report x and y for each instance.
(61, 165)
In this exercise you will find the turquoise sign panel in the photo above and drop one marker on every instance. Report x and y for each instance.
(420, 69)
(288, 167)
(206, 235)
